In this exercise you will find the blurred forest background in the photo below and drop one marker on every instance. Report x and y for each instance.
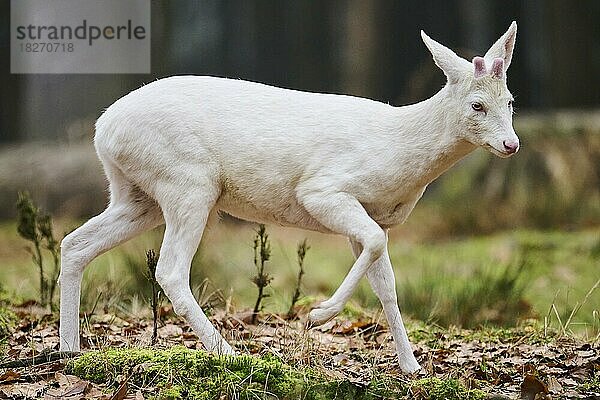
(366, 48)
(369, 48)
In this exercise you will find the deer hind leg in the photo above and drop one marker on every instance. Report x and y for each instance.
(185, 220)
(129, 213)
(382, 280)
(342, 213)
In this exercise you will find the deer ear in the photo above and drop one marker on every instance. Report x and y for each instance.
(454, 67)
(479, 64)
(503, 48)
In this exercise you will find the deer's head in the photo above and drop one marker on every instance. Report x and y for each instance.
(478, 94)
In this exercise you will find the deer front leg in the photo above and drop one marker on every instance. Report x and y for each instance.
(342, 213)
(382, 280)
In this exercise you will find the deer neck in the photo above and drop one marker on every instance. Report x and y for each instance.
(430, 137)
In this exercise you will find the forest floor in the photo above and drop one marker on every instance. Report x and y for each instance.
(350, 357)
(543, 285)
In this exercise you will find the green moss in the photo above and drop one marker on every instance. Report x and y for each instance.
(180, 373)
(438, 389)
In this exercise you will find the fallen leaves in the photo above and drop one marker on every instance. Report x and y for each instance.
(64, 387)
(69, 387)
(514, 366)
(33, 390)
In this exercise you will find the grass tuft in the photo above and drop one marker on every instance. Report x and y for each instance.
(493, 295)
(7, 321)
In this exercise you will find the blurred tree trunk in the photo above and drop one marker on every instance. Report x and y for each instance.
(532, 46)
(309, 37)
(477, 20)
(9, 84)
(574, 52)
(359, 48)
(162, 57)
(272, 53)
(239, 50)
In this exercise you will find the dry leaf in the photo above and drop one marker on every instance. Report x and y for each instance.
(327, 326)
(170, 330)
(23, 390)
(554, 385)
(349, 327)
(9, 376)
(77, 388)
(121, 392)
(531, 386)
(69, 386)
(569, 382)
(64, 380)
(341, 359)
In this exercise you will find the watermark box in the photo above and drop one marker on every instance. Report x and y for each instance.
(79, 36)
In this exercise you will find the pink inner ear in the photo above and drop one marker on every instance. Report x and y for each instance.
(498, 68)
(479, 64)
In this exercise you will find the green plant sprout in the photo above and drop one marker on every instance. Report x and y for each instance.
(151, 262)
(36, 226)
(303, 247)
(262, 253)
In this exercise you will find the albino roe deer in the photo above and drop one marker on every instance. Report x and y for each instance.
(180, 149)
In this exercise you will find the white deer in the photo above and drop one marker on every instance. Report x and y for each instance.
(181, 149)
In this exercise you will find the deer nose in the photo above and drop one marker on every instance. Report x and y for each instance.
(511, 147)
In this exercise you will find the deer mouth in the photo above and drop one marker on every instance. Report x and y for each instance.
(497, 152)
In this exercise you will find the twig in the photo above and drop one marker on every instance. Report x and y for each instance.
(562, 327)
(89, 315)
(578, 306)
(40, 262)
(301, 252)
(40, 359)
(53, 246)
(151, 262)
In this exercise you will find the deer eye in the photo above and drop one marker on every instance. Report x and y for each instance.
(477, 106)
(510, 103)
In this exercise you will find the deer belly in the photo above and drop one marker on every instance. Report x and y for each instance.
(282, 210)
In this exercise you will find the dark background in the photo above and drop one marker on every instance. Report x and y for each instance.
(364, 48)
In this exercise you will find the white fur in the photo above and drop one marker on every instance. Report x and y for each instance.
(184, 147)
